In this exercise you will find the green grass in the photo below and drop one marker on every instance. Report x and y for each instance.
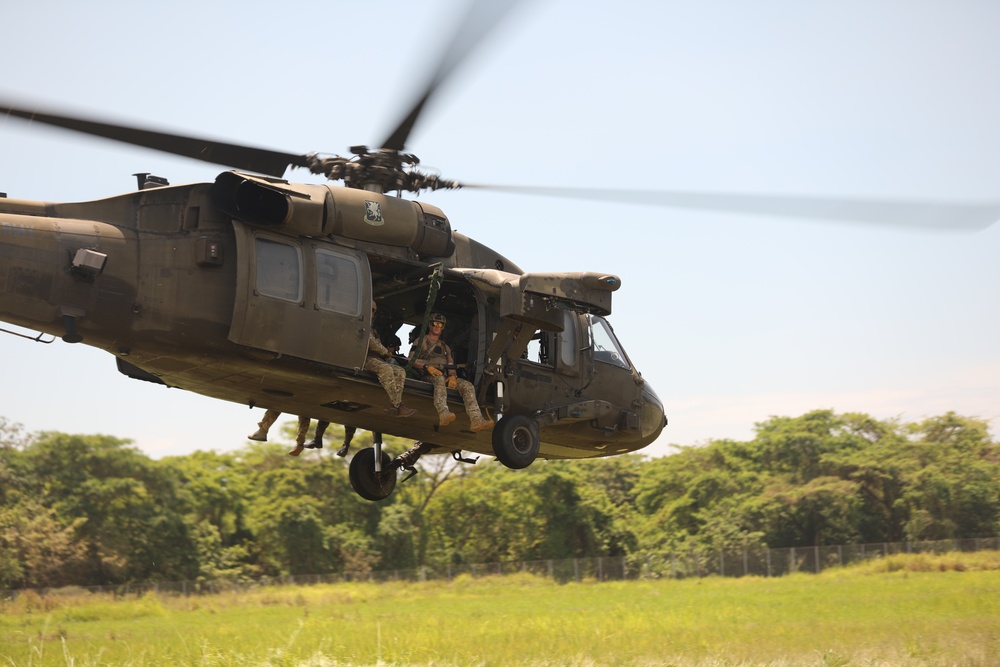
(904, 610)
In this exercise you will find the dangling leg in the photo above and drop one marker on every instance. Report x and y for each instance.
(264, 425)
(317, 441)
(349, 432)
(445, 416)
(476, 421)
(300, 437)
(398, 377)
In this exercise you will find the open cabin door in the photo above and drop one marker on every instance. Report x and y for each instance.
(301, 297)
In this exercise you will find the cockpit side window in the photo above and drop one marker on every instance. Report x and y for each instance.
(605, 345)
(538, 348)
(279, 270)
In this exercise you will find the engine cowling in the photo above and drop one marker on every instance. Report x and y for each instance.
(328, 210)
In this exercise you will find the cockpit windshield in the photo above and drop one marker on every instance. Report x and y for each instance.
(605, 345)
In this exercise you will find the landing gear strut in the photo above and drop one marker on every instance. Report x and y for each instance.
(376, 482)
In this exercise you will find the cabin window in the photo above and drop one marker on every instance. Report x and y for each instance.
(567, 340)
(338, 283)
(279, 270)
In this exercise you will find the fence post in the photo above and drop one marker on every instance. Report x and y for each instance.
(769, 561)
(816, 555)
(744, 561)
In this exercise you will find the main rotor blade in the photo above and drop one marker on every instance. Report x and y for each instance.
(900, 213)
(260, 160)
(481, 18)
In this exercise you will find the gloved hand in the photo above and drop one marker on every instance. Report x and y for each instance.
(452, 382)
(433, 371)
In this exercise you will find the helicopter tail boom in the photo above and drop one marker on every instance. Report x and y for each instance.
(51, 265)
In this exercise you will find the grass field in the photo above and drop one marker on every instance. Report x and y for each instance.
(903, 610)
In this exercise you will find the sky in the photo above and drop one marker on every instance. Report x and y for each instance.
(732, 318)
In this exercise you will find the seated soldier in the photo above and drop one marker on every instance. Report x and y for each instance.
(391, 377)
(435, 362)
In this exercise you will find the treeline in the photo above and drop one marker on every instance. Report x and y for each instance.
(94, 510)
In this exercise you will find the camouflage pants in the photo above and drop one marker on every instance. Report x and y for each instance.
(391, 377)
(465, 390)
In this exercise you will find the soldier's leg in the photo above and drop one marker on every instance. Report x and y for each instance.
(349, 432)
(264, 425)
(317, 441)
(445, 416)
(397, 376)
(391, 378)
(468, 394)
(300, 436)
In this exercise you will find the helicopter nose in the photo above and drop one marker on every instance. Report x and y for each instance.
(653, 417)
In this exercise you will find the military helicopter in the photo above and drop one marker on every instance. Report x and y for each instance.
(254, 289)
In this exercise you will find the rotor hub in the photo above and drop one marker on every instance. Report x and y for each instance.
(379, 170)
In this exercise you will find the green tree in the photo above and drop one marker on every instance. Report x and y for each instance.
(123, 505)
(37, 549)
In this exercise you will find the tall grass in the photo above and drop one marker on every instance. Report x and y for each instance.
(903, 610)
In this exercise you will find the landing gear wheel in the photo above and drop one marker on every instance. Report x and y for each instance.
(367, 483)
(515, 441)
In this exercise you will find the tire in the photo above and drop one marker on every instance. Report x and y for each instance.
(365, 481)
(515, 441)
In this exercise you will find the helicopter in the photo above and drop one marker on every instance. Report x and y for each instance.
(192, 313)
(254, 289)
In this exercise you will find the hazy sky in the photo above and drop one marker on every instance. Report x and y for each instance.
(731, 318)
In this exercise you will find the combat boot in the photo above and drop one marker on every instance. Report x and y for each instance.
(349, 432)
(479, 424)
(317, 441)
(476, 421)
(264, 425)
(403, 411)
(446, 418)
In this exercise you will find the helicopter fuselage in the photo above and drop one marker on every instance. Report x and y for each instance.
(256, 291)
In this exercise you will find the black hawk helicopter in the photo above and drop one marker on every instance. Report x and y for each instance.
(255, 290)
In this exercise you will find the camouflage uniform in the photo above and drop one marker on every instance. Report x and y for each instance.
(271, 416)
(438, 354)
(391, 376)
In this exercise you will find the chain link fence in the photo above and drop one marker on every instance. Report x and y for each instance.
(762, 561)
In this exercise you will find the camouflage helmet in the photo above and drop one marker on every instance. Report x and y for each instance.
(437, 317)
